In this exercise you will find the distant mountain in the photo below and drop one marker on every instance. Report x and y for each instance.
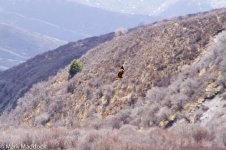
(182, 7)
(58, 20)
(161, 8)
(17, 45)
(65, 20)
(17, 80)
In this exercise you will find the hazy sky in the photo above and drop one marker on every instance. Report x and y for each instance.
(146, 7)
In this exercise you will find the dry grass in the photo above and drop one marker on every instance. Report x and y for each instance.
(126, 138)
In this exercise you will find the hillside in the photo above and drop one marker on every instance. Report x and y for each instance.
(17, 45)
(172, 95)
(17, 80)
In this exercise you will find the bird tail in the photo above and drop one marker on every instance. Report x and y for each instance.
(118, 78)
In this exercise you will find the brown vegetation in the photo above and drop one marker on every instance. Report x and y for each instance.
(174, 70)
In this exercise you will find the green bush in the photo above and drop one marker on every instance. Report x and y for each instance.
(74, 68)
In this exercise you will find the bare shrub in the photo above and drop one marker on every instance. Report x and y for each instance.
(163, 113)
(132, 100)
(222, 66)
(152, 115)
(124, 116)
(156, 94)
(87, 142)
(27, 139)
(116, 123)
(120, 31)
(98, 93)
(162, 139)
(178, 101)
(57, 106)
(94, 83)
(96, 124)
(145, 122)
(224, 139)
(70, 88)
(188, 86)
(62, 144)
(108, 92)
(200, 134)
(52, 144)
(42, 119)
(88, 93)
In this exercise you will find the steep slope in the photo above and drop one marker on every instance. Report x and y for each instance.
(17, 45)
(173, 70)
(151, 56)
(17, 80)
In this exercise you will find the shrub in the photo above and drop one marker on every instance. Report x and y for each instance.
(156, 94)
(177, 101)
(120, 31)
(200, 134)
(224, 139)
(74, 68)
(70, 88)
(116, 123)
(163, 113)
(187, 87)
(42, 119)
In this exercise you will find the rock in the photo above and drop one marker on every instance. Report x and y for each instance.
(172, 117)
(204, 108)
(213, 89)
(168, 122)
(201, 100)
(163, 123)
(202, 72)
(104, 101)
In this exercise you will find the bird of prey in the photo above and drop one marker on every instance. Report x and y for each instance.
(120, 73)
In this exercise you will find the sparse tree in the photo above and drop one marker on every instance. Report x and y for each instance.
(74, 68)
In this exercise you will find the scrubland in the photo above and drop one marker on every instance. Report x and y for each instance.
(172, 94)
